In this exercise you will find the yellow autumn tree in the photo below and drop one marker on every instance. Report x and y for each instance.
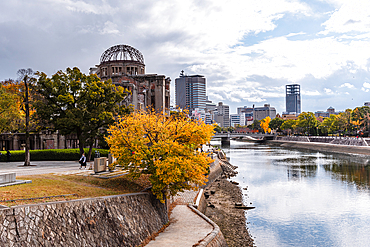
(265, 124)
(165, 147)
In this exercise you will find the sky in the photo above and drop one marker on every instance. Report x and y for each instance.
(248, 50)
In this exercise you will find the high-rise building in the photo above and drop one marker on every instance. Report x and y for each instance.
(190, 92)
(260, 113)
(248, 113)
(293, 98)
(237, 119)
(222, 115)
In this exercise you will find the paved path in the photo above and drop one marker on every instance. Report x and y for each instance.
(40, 167)
(186, 229)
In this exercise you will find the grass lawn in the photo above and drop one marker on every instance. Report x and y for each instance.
(55, 185)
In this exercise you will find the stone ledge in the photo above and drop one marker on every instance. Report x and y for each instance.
(16, 182)
(215, 238)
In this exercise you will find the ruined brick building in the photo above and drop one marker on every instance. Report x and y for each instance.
(125, 66)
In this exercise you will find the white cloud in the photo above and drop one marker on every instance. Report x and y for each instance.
(366, 85)
(295, 34)
(347, 85)
(351, 16)
(102, 7)
(310, 93)
(328, 91)
(110, 28)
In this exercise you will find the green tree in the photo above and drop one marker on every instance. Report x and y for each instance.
(307, 121)
(289, 124)
(165, 147)
(256, 125)
(217, 128)
(230, 129)
(9, 110)
(329, 125)
(344, 121)
(276, 123)
(73, 102)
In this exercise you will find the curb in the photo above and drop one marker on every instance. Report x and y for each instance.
(214, 238)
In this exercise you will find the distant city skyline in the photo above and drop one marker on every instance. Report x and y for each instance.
(247, 50)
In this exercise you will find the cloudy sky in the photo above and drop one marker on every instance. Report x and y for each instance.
(247, 49)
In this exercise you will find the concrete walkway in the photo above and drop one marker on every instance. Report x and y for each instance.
(186, 229)
(39, 167)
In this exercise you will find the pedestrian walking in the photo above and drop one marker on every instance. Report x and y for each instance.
(82, 161)
(8, 154)
(0, 155)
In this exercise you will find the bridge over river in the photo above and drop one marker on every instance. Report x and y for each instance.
(256, 137)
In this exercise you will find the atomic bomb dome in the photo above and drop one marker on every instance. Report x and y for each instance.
(122, 53)
(124, 65)
(118, 61)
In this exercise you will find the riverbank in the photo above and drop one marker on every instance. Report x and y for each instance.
(323, 147)
(221, 209)
(221, 198)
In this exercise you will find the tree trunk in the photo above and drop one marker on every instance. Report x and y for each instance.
(80, 142)
(27, 108)
(90, 151)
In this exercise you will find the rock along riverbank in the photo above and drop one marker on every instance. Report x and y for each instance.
(221, 198)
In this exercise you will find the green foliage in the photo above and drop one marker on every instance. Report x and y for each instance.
(329, 125)
(9, 110)
(289, 124)
(276, 123)
(73, 102)
(218, 129)
(256, 125)
(50, 154)
(230, 129)
(307, 122)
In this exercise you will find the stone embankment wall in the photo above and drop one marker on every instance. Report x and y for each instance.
(324, 147)
(215, 169)
(123, 220)
(341, 140)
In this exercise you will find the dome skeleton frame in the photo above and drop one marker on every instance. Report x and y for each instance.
(122, 52)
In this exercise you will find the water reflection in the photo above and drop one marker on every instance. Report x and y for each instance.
(351, 172)
(304, 198)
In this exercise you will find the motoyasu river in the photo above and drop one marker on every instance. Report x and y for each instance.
(303, 198)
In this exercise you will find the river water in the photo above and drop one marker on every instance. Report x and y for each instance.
(303, 198)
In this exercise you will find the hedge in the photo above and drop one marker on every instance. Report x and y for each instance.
(52, 154)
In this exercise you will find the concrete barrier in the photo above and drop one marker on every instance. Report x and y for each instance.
(7, 177)
(100, 164)
(215, 238)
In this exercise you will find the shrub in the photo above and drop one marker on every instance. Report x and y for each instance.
(51, 154)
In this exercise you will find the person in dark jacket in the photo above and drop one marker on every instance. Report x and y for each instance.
(82, 161)
(8, 154)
